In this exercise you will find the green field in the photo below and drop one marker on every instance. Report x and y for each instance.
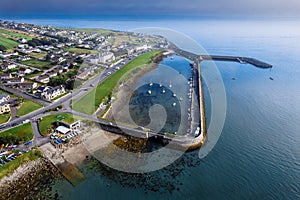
(14, 35)
(13, 165)
(27, 107)
(4, 118)
(37, 63)
(45, 125)
(8, 43)
(17, 135)
(94, 30)
(90, 102)
(81, 50)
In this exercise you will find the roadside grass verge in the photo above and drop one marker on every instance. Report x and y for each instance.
(4, 118)
(17, 135)
(90, 102)
(28, 107)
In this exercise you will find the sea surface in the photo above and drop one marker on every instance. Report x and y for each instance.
(258, 154)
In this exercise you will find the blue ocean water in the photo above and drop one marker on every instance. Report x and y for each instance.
(258, 153)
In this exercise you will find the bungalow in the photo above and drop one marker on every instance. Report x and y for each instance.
(24, 71)
(43, 79)
(4, 98)
(5, 76)
(4, 108)
(27, 86)
(15, 80)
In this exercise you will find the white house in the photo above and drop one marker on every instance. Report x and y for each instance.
(4, 98)
(53, 92)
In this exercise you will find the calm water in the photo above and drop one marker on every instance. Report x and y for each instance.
(258, 153)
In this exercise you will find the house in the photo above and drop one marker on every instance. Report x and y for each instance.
(22, 41)
(24, 71)
(15, 80)
(83, 75)
(5, 76)
(43, 79)
(4, 108)
(4, 98)
(27, 86)
(52, 93)
(51, 74)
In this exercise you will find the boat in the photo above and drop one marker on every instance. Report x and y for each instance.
(233, 78)
(149, 92)
(150, 84)
(271, 78)
(163, 91)
(160, 85)
(170, 85)
(180, 98)
(172, 57)
(174, 95)
(174, 104)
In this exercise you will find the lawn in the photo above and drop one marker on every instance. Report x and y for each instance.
(17, 135)
(81, 50)
(14, 34)
(94, 30)
(45, 125)
(8, 168)
(37, 63)
(27, 107)
(8, 43)
(90, 102)
(4, 118)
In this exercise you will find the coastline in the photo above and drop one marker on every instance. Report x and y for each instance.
(126, 85)
(26, 180)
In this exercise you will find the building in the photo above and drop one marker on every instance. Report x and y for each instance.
(52, 93)
(5, 76)
(43, 79)
(27, 86)
(62, 130)
(105, 57)
(4, 98)
(72, 124)
(24, 71)
(4, 108)
(15, 80)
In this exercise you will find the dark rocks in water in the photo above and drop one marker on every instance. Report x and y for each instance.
(233, 78)
(271, 78)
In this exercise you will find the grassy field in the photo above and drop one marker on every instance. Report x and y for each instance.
(94, 30)
(38, 55)
(90, 102)
(4, 118)
(8, 43)
(27, 107)
(14, 35)
(8, 168)
(45, 125)
(37, 63)
(81, 50)
(17, 135)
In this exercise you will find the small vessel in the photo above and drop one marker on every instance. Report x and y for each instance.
(172, 57)
(160, 85)
(233, 78)
(149, 92)
(163, 91)
(174, 95)
(271, 78)
(170, 85)
(180, 98)
(174, 104)
(150, 84)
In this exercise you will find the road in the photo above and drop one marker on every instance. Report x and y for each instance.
(25, 95)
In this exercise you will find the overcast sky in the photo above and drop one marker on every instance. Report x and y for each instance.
(275, 8)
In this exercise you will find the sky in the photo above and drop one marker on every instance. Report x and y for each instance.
(274, 8)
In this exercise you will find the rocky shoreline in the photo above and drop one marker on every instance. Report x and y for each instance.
(31, 180)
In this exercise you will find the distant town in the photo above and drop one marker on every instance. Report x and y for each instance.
(42, 67)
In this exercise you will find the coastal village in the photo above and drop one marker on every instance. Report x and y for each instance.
(40, 66)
